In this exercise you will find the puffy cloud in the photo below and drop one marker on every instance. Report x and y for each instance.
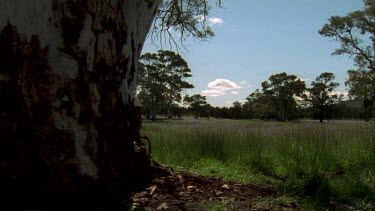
(214, 21)
(220, 87)
(211, 21)
(213, 92)
(223, 84)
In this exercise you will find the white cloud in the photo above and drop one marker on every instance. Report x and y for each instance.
(220, 87)
(214, 21)
(243, 82)
(213, 92)
(211, 21)
(223, 84)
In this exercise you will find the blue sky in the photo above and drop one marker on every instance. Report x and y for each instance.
(257, 38)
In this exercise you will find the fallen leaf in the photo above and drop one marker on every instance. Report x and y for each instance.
(163, 206)
(218, 193)
(225, 186)
(153, 188)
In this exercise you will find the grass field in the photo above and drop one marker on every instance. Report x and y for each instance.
(316, 165)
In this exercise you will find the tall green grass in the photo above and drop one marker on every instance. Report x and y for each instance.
(323, 161)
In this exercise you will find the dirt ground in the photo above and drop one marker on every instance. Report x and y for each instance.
(188, 191)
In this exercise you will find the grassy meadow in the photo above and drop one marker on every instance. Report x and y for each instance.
(315, 165)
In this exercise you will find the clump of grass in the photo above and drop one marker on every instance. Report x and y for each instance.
(324, 162)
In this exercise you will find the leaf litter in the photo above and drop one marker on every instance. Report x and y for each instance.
(190, 191)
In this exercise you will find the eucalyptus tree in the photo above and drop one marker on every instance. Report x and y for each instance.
(68, 68)
(280, 91)
(361, 85)
(198, 104)
(321, 96)
(236, 110)
(356, 34)
(258, 105)
(161, 80)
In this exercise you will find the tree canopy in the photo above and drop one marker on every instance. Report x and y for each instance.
(186, 17)
(361, 85)
(280, 90)
(162, 79)
(320, 95)
(198, 104)
(356, 34)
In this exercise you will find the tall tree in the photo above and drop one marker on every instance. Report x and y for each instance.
(361, 85)
(258, 106)
(236, 110)
(69, 128)
(161, 80)
(197, 104)
(356, 34)
(280, 90)
(320, 95)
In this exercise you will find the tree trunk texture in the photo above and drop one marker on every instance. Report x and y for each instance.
(147, 109)
(367, 109)
(321, 114)
(68, 125)
(153, 113)
(169, 112)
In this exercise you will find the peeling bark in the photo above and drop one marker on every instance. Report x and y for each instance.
(68, 122)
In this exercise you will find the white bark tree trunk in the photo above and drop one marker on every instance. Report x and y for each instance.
(67, 85)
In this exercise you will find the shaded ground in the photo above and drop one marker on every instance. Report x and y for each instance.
(188, 191)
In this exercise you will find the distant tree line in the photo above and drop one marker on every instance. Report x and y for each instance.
(283, 97)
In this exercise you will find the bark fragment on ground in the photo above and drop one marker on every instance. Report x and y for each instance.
(189, 191)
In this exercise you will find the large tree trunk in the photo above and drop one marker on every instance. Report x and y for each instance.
(68, 125)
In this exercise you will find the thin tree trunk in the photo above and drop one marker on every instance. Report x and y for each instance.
(68, 123)
(321, 114)
(367, 109)
(169, 112)
(153, 114)
(148, 113)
